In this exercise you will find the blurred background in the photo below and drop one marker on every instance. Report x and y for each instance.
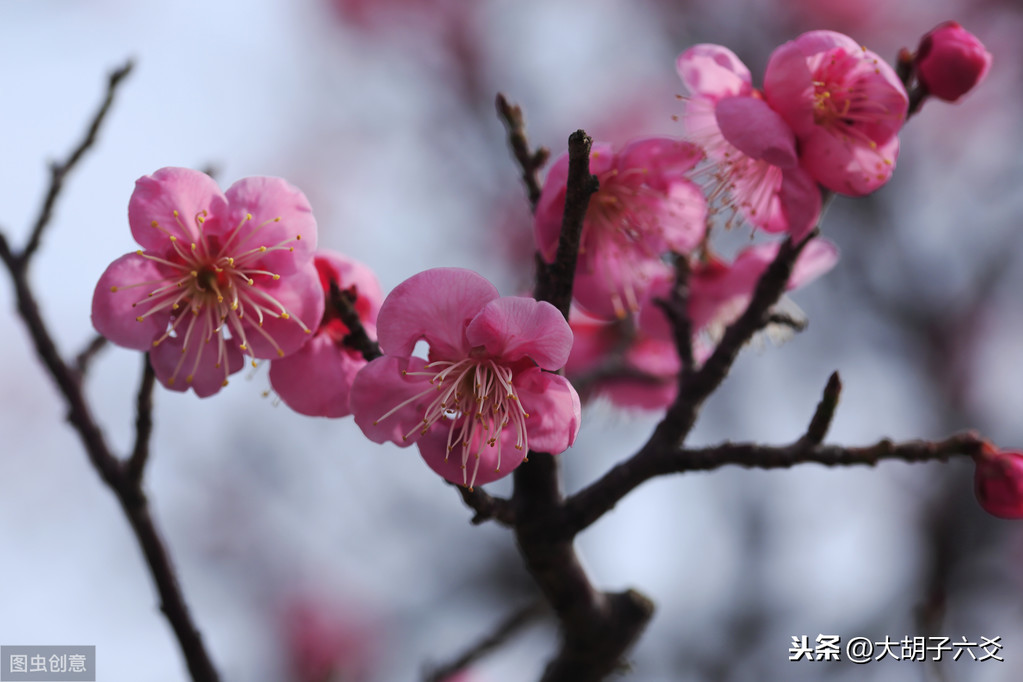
(301, 546)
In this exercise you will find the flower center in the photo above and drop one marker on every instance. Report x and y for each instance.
(476, 399)
(217, 281)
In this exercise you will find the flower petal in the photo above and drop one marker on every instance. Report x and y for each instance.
(514, 327)
(756, 130)
(553, 407)
(282, 221)
(853, 171)
(316, 379)
(435, 305)
(383, 385)
(800, 202)
(156, 199)
(485, 462)
(301, 295)
(114, 309)
(661, 159)
(713, 71)
(203, 367)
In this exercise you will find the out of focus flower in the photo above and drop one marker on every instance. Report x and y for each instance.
(645, 207)
(315, 380)
(998, 482)
(752, 165)
(845, 105)
(616, 360)
(481, 400)
(951, 61)
(323, 645)
(719, 292)
(219, 275)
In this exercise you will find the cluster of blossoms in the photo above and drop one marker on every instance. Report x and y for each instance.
(223, 275)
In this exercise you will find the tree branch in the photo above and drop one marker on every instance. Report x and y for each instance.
(486, 506)
(343, 303)
(136, 464)
(504, 630)
(529, 161)
(125, 486)
(59, 171)
(821, 421)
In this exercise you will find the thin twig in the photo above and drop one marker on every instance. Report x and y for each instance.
(59, 171)
(676, 308)
(504, 631)
(486, 506)
(136, 464)
(126, 488)
(821, 421)
(529, 161)
(84, 359)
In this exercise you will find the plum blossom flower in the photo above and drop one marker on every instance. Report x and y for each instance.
(219, 275)
(845, 105)
(645, 207)
(616, 360)
(951, 61)
(998, 482)
(753, 169)
(719, 292)
(315, 380)
(481, 400)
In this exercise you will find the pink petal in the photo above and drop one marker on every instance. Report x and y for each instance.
(514, 327)
(316, 380)
(851, 170)
(281, 217)
(800, 202)
(435, 305)
(478, 470)
(757, 130)
(608, 274)
(301, 296)
(383, 385)
(553, 407)
(998, 483)
(817, 258)
(684, 216)
(180, 371)
(113, 313)
(713, 71)
(788, 85)
(661, 159)
(158, 196)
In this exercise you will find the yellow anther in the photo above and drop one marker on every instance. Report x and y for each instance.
(139, 319)
(298, 237)
(138, 252)
(262, 249)
(248, 216)
(115, 289)
(276, 277)
(170, 382)
(280, 353)
(175, 212)
(277, 219)
(285, 316)
(154, 223)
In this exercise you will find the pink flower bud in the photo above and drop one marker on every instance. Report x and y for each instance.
(998, 483)
(951, 61)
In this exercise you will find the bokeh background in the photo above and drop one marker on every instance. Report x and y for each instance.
(297, 538)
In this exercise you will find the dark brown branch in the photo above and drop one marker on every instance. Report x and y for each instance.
(59, 171)
(597, 627)
(504, 631)
(486, 506)
(136, 464)
(529, 161)
(821, 421)
(676, 308)
(343, 303)
(84, 359)
(554, 281)
(589, 504)
(125, 487)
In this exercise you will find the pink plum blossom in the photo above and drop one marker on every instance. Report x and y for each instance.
(753, 167)
(998, 482)
(719, 292)
(645, 207)
(482, 392)
(616, 360)
(219, 275)
(951, 61)
(315, 380)
(845, 105)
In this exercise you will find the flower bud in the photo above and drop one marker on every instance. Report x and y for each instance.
(950, 61)
(998, 483)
